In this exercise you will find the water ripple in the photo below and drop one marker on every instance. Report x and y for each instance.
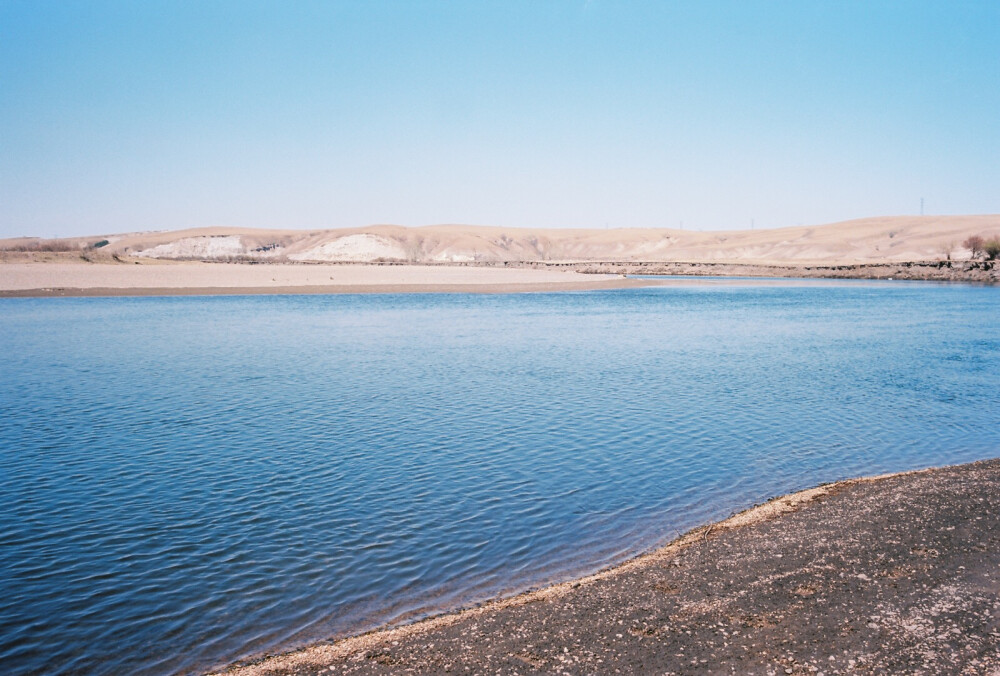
(188, 481)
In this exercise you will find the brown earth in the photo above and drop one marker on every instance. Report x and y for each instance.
(896, 574)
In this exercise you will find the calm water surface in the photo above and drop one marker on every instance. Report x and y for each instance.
(187, 481)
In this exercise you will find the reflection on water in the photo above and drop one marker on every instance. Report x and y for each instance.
(186, 481)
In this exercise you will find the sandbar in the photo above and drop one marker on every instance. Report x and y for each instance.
(190, 278)
(194, 278)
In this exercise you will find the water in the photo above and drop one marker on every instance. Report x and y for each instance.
(188, 481)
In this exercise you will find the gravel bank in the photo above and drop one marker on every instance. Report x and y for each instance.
(895, 574)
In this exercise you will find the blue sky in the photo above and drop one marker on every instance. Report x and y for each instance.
(120, 116)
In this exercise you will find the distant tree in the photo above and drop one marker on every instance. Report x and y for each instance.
(992, 248)
(947, 249)
(975, 245)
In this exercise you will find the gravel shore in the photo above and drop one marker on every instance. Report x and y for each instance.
(895, 574)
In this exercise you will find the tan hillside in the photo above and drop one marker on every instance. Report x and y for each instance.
(869, 240)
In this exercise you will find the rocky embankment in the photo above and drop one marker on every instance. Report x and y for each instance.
(987, 272)
(892, 575)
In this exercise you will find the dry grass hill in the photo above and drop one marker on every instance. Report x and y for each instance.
(870, 240)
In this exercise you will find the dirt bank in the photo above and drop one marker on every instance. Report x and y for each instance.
(896, 574)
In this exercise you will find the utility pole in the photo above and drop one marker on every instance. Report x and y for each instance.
(921, 206)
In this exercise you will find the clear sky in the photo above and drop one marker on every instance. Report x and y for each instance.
(121, 116)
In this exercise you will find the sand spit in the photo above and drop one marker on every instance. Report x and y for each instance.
(868, 240)
(185, 278)
(190, 278)
(891, 574)
(157, 278)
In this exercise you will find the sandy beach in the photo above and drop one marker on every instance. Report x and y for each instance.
(194, 278)
(80, 279)
(892, 574)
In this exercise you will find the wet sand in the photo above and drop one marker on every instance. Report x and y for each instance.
(893, 574)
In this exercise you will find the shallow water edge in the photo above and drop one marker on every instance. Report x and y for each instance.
(324, 652)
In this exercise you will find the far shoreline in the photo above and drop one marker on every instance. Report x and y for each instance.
(62, 277)
(620, 282)
(363, 289)
(66, 277)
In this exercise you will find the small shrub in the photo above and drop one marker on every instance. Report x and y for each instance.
(947, 249)
(992, 248)
(47, 245)
(975, 245)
